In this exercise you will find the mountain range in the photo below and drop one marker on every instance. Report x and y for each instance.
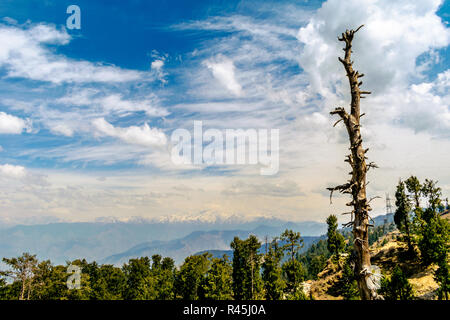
(112, 241)
(116, 242)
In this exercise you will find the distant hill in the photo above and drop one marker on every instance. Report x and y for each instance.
(384, 218)
(217, 253)
(60, 242)
(307, 242)
(215, 242)
(179, 249)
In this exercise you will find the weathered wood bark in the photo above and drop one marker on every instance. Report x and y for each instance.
(356, 186)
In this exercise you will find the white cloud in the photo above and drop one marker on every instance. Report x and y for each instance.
(12, 125)
(62, 129)
(157, 67)
(157, 64)
(23, 53)
(386, 49)
(12, 171)
(144, 136)
(116, 103)
(279, 189)
(223, 70)
(113, 103)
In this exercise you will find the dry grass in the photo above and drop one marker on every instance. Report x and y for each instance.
(386, 253)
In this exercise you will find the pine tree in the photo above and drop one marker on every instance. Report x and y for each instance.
(347, 286)
(247, 283)
(3, 289)
(50, 282)
(397, 287)
(293, 271)
(401, 216)
(217, 285)
(315, 258)
(140, 284)
(294, 274)
(164, 274)
(335, 241)
(272, 272)
(191, 276)
(442, 277)
(293, 242)
(434, 235)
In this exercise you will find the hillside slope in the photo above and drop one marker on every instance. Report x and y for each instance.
(386, 253)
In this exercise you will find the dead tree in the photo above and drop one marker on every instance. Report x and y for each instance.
(356, 186)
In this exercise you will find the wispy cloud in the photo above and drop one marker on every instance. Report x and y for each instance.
(24, 54)
(144, 135)
(223, 70)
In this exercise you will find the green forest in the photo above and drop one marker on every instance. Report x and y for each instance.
(256, 271)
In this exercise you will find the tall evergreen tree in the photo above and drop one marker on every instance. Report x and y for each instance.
(335, 241)
(434, 235)
(293, 271)
(191, 276)
(414, 188)
(315, 258)
(442, 277)
(274, 283)
(50, 282)
(293, 242)
(164, 274)
(347, 286)
(3, 289)
(217, 284)
(246, 268)
(401, 216)
(397, 287)
(140, 284)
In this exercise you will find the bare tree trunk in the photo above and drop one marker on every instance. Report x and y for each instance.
(356, 186)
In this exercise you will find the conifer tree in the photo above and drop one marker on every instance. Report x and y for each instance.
(335, 241)
(274, 283)
(347, 286)
(217, 284)
(140, 284)
(191, 276)
(293, 271)
(247, 283)
(397, 287)
(442, 277)
(293, 242)
(401, 216)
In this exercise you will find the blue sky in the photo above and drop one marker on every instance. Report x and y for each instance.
(86, 115)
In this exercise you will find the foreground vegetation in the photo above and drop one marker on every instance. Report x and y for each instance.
(274, 271)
